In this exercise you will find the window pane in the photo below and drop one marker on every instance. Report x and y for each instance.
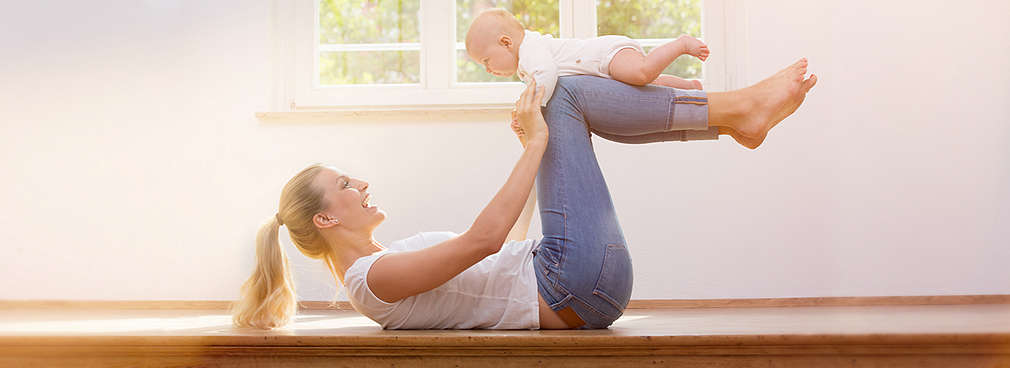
(536, 15)
(654, 19)
(649, 18)
(369, 41)
(369, 67)
(368, 21)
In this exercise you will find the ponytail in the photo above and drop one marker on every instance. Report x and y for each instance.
(267, 298)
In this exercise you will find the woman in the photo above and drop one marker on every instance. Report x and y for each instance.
(578, 275)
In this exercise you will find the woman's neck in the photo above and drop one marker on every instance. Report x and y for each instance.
(349, 247)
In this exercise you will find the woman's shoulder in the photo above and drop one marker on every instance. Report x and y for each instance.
(436, 237)
(422, 240)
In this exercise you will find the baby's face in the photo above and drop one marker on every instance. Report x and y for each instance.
(496, 58)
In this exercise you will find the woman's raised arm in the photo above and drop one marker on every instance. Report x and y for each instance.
(402, 274)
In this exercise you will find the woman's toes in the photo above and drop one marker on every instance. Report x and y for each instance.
(809, 83)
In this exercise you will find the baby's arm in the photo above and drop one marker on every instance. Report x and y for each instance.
(540, 65)
(546, 77)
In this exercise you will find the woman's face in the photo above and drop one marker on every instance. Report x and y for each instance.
(348, 201)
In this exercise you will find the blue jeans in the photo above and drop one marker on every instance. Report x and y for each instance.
(582, 261)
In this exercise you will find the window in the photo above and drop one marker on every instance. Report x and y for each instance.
(368, 42)
(409, 54)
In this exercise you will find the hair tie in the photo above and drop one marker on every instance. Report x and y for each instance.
(278, 217)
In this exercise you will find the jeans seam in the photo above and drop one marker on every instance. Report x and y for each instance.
(603, 271)
(669, 111)
(562, 180)
(588, 306)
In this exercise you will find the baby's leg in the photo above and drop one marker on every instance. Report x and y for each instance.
(630, 66)
(665, 54)
(667, 80)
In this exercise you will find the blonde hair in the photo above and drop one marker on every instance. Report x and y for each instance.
(504, 23)
(267, 298)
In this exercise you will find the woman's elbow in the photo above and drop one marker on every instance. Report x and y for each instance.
(490, 242)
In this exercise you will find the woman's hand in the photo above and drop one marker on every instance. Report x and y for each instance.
(527, 120)
(517, 129)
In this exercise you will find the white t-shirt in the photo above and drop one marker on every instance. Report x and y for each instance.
(545, 58)
(499, 292)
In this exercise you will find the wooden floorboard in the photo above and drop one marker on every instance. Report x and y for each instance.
(868, 336)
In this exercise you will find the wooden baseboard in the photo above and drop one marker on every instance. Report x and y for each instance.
(819, 301)
(634, 304)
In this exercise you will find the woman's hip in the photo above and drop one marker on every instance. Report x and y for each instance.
(593, 275)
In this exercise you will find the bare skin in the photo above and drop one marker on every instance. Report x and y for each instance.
(632, 67)
(748, 114)
(667, 80)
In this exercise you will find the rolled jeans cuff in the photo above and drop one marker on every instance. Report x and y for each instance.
(701, 135)
(690, 111)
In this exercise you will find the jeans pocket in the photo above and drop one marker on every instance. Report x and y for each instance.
(616, 279)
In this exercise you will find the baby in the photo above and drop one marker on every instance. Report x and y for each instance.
(497, 41)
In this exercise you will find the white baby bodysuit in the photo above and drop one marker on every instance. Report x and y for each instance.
(545, 58)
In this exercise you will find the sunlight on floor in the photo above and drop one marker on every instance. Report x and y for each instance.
(625, 319)
(208, 323)
(329, 321)
(203, 324)
(117, 325)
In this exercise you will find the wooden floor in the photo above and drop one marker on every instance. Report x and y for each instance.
(893, 336)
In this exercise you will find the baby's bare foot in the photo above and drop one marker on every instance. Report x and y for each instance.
(694, 47)
(696, 84)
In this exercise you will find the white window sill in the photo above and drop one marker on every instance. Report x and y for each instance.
(401, 113)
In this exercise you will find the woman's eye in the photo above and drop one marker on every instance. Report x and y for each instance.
(347, 184)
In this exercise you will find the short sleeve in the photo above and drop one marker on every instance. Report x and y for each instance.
(537, 63)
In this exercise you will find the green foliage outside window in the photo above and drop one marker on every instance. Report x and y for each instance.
(369, 21)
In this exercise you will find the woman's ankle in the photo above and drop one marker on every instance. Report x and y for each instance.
(728, 109)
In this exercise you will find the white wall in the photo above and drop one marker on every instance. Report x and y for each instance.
(133, 167)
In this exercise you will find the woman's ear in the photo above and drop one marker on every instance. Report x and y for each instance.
(323, 221)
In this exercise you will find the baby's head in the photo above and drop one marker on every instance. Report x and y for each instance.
(493, 41)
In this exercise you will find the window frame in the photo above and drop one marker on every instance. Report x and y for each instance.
(295, 41)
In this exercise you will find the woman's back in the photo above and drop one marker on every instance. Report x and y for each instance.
(499, 292)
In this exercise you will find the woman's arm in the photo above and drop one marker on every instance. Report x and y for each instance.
(522, 227)
(399, 275)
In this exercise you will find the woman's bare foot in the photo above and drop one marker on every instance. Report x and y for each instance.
(739, 138)
(696, 84)
(772, 100)
(694, 47)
